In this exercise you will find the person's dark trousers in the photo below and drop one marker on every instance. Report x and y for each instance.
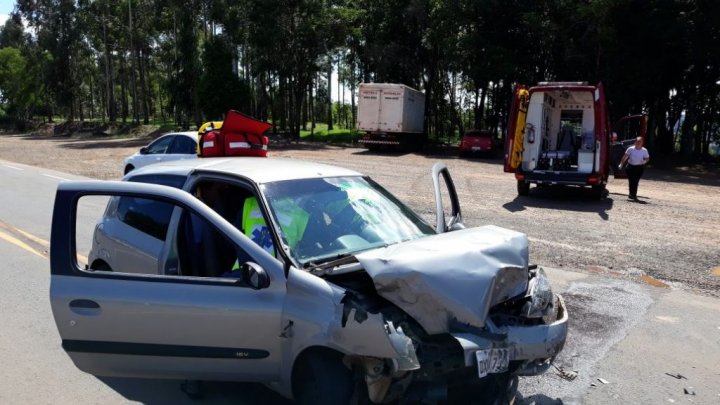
(634, 173)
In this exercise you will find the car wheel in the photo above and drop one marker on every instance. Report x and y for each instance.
(495, 389)
(320, 377)
(129, 168)
(523, 187)
(101, 266)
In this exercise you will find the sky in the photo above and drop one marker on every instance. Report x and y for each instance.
(6, 6)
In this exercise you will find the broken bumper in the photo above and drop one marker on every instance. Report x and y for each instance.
(532, 348)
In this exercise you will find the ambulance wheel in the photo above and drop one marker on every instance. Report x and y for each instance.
(129, 168)
(523, 187)
(598, 191)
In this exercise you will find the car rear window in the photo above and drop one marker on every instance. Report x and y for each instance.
(478, 135)
(149, 216)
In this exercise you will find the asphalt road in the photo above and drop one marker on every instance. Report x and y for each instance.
(628, 334)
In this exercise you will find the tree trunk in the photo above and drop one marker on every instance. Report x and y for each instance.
(483, 100)
(109, 88)
(123, 91)
(329, 98)
(143, 89)
(133, 63)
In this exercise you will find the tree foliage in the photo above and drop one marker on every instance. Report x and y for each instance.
(190, 61)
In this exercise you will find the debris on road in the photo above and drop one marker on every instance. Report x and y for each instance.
(566, 374)
(604, 381)
(689, 390)
(653, 282)
(678, 376)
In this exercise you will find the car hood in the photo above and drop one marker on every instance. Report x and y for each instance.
(451, 277)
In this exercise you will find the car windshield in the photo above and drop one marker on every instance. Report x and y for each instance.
(326, 218)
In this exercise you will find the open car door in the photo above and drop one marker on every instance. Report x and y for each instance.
(445, 198)
(516, 129)
(166, 324)
(627, 129)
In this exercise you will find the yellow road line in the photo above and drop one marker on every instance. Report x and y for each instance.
(32, 237)
(82, 260)
(21, 244)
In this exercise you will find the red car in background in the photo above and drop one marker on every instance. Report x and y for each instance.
(477, 142)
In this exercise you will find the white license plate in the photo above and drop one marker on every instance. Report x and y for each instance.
(476, 148)
(491, 361)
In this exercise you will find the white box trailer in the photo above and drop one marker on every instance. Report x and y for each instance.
(390, 114)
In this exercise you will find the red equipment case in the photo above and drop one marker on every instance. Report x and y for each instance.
(239, 135)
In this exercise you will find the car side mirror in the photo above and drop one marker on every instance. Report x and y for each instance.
(143, 150)
(254, 276)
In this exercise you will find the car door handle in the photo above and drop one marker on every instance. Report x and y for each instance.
(84, 307)
(87, 304)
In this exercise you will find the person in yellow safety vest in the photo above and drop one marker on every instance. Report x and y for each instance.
(292, 220)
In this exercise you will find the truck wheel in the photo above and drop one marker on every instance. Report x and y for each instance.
(321, 378)
(523, 187)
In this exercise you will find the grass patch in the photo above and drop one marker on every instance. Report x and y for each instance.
(322, 134)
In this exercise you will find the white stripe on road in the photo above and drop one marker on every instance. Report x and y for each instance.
(13, 167)
(56, 177)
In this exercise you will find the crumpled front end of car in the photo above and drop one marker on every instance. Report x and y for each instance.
(486, 316)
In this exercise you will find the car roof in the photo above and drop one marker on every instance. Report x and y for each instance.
(258, 169)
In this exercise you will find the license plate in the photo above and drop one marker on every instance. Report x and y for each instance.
(475, 148)
(491, 361)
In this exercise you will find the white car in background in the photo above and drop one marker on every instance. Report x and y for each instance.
(171, 146)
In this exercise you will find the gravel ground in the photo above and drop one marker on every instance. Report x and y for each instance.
(672, 235)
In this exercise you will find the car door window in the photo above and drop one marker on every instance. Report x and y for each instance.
(183, 145)
(152, 236)
(148, 216)
(239, 206)
(160, 146)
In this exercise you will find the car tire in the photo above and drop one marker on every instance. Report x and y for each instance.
(129, 168)
(321, 378)
(495, 389)
(523, 187)
(101, 266)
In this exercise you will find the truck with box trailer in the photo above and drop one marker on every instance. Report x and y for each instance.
(390, 115)
(559, 134)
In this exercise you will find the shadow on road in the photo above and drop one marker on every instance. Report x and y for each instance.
(537, 399)
(680, 176)
(562, 198)
(151, 392)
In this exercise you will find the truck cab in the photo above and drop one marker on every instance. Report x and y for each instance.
(558, 134)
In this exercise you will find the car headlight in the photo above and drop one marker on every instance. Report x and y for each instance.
(541, 298)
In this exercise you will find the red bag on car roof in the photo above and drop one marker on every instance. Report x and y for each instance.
(239, 135)
(244, 135)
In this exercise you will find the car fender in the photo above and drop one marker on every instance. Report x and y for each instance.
(313, 317)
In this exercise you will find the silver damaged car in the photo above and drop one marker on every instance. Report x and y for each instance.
(309, 278)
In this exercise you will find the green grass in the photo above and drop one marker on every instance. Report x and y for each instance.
(322, 134)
